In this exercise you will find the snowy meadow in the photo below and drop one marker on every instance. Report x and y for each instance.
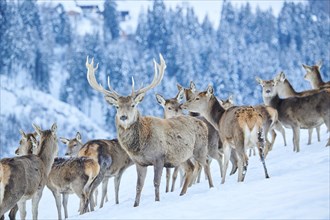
(43, 50)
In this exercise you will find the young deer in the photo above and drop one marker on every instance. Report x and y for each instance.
(239, 128)
(67, 176)
(285, 90)
(313, 75)
(29, 173)
(171, 109)
(151, 141)
(308, 111)
(103, 150)
(270, 122)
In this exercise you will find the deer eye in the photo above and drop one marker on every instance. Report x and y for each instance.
(169, 108)
(197, 98)
(133, 105)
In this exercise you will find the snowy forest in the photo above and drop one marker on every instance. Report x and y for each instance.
(44, 48)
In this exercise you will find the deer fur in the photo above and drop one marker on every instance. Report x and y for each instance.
(24, 177)
(154, 141)
(270, 122)
(313, 75)
(285, 90)
(307, 111)
(102, 151)
(120, 159)
(214, 139)
(239, 128)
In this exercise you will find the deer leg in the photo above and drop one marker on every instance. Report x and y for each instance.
(318, 133)
(261, 152)
(279, 127)
(310, 134)
(96, 193)
(207, 171)
(104, 190)
(226, 153)
(168, 176)
(174, 176)
(117, 184)
(189, 168)
(12, 213)
(196, 172)
(57, 197)
(219, 159)
(35, 203)
(158, 170)
(182, 176)
(296, 137)
(22, 209)
(233, 160)
(141, 174)
(65, 198)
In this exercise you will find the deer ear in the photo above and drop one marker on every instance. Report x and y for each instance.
(230, 99)
(34, 144)
(192, 86)
(221, 102)
(24, 136)
(210, 90)
(78, 136)
(160, 100)
(37, 129)
(179, 86)
(64, 140)
(282, 76)
(139, 98)
(319, 64)
(180, 95)
(260, 81)
(111, 100)
(54, 128)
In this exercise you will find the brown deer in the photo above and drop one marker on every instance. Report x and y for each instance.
(24, 177)
(239, 127)
(313, 75)
(172, 108)
(68, 176)
(285, 90)
(297, 112)
(102, 150)
(151, 141)
(270, 122)
(112, 149)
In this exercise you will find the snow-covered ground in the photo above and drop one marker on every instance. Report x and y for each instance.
(298, 188)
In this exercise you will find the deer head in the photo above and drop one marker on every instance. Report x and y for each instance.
(227, 103)
(269, 86)
(25, 144)
(172, 107)
(312, 72)
(199, 103)
(126, 106)
(73, 145)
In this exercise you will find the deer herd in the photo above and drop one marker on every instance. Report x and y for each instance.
(212, 129)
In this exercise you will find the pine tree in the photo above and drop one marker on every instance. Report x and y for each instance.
(111, 27)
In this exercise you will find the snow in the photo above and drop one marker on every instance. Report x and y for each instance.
(298, 188)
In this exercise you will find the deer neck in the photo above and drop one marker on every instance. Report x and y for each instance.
(317, 81)
(214, 113)
(286, 90)
(47, 153)
(129, 138)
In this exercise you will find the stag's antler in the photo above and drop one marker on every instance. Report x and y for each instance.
(93, 82)
(158, 76)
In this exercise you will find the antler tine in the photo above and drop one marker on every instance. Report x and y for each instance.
(111, 89)
(92, 80)
(159, 70)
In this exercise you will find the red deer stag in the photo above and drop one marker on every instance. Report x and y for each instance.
(151, 141)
